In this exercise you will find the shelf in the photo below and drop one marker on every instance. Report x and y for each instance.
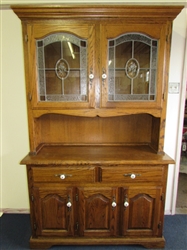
(96, 154)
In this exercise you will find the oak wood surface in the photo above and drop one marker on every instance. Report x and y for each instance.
(111, 155)
(136, 12)
(148, 242)
(133, 129)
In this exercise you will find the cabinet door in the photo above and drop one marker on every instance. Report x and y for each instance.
(53, 211)
(132, 64)
(142, 215)
(63, 55)
(98, 211)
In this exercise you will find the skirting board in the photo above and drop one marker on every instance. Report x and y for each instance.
(14, 211)
(27, 211)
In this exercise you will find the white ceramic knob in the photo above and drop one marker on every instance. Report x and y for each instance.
(104, 76)
(133, 176)
(62, 176)
(91, 76)
(69, 204)
(126, 204)
(114, 204)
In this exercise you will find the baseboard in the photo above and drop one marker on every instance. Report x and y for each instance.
(27, 211)
(14, 211)
(167, 212)
(178, 210)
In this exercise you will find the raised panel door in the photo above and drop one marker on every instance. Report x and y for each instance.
(141, 211)
(54, 211)
(98, 211)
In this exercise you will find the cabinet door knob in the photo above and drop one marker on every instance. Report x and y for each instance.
(114, 204)
(126, 204)
(69, 204)
(91, 76)
(104, 76)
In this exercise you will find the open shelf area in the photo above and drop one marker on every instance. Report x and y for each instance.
(96, 154)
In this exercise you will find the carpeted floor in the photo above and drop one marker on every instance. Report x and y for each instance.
(15, 233)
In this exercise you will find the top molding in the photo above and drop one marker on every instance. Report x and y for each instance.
(97, 11)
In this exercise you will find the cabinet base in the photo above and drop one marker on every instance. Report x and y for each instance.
(44, 243)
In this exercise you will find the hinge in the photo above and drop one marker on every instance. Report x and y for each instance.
(30, 97)
(168, 38)
(77, 226)
(164, 96)
(159, 225)
(32, 198)
(26, 38)
(162, 197)
(35, 226)
(76, 197)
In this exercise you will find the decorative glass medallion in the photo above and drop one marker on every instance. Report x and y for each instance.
(132, 68)
(62, 69)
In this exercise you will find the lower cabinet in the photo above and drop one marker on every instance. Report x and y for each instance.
(96, 205)
(96, 211)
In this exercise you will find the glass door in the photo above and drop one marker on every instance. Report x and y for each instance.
(62, 68)
(64, 63)
(132, 68)
(132, 65)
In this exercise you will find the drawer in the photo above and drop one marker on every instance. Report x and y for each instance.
(64, 174)
(132, 174)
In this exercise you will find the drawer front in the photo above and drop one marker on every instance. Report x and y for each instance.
(132, 174)
(64, 174)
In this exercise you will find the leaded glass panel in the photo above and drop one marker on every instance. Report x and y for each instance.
(62, 68)
(132, 67)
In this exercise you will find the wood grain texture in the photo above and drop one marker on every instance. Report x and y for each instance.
(134, 129)
(94, 11)
(44, 243)
(86, 155)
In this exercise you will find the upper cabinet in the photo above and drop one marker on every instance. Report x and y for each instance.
(97, 58)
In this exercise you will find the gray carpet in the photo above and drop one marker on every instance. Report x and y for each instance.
(15, 233)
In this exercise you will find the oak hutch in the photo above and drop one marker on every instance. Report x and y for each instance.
(96, 86)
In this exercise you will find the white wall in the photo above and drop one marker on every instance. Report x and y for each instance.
(0, 116)
(174, 118)
(14, 134)
(14, 120)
